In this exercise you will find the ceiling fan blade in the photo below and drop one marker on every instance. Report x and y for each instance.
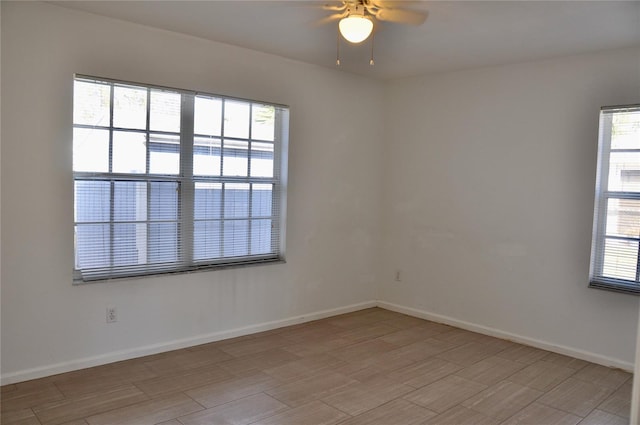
(378, 3)
(411, 17)
(330, 18)
(335, 7)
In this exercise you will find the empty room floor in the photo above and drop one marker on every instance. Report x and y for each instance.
(368, 367)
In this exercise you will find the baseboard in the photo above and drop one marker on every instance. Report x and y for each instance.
(560, 349)
(82, 363)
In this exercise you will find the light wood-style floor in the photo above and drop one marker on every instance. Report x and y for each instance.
(369, 367)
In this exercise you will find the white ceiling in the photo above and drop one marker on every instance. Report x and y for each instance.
(456, 35)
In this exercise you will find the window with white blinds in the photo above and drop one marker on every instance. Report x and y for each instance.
(169, 180)
(615, 259)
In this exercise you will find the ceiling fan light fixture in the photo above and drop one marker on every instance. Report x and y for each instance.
(355, 28)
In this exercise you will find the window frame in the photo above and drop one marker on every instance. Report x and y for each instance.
(186, 182)
(602, 196)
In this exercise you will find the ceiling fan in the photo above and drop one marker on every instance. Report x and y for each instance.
(357, 17)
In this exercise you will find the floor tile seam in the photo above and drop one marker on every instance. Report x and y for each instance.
(604, 411)
(26, 408)
(409, 388)
(302, 340)
(505, 378)
(149, 396)
(454, 345)
(488, 340)
(7, 407)
(35, 416)
(436, 414)
(84, 418)
(341, 347)
(379, 406)
(273, 397)
(281, 382)
(229, 379)
(192, 399)
(463, 366)
(580, 368)
(629, 379)
(239, 398)
(311, 376)
(396, 345)
(434, 382)
(78, 397)
(542, 393)
(337, 389)
(457, 347)
(521, 345)
(398, 328)
(609, 390)
(564, 410)
(618, 397)
(343, 387)
(384, 375)
(611, 413)
(234, 401)
(421, 386)
(276, 413)
(123, 384)
(349, 415)
(3, 407)
(302, 359)
(551, 364)
(236, 356)
(462, 401)
(614, 389)
(198, 365)
(64, 396)
(185, 371)
(423, 407)
(443, 377)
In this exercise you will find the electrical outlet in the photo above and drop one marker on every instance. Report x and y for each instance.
(112, 315)
(398, 276)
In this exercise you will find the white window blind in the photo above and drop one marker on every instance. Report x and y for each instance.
(615, 259)
(169, 180)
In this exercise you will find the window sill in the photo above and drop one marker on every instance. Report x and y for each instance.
(615, 286)
(197, 269)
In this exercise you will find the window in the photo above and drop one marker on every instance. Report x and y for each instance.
(615, 259)
(170, 180)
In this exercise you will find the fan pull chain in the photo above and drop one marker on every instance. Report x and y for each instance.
(371, 60)
(338, 49)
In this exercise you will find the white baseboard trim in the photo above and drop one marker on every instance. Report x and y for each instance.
(82, 363)
(560, 349)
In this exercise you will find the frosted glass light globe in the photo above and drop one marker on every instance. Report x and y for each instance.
(355, 29)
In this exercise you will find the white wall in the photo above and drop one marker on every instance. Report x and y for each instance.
(48, 325)
(489, 200)
(488, 196)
